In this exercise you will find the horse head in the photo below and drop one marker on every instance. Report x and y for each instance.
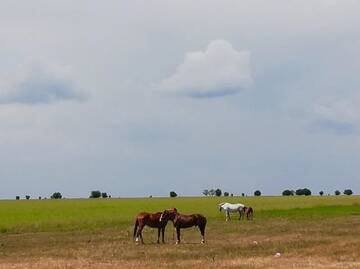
(220, 206)
(168, 214)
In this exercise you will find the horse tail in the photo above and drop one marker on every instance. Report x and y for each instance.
(136, 227)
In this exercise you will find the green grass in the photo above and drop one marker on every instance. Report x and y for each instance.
(89, 214)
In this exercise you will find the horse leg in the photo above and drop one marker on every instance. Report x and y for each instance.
(158, 238)
(228, 215)
(202, 231)
(177, 235)
(141, 227)
(138, 233)
(163, 234)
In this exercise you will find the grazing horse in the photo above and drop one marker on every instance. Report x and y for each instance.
(227, 207)
(185, 221)
(248, 212)
(152, 220)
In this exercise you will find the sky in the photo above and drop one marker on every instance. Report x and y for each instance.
(139, 98)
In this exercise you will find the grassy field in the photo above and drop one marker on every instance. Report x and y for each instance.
(309, 232)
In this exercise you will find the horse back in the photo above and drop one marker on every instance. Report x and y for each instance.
(149, 219)
(186, 221)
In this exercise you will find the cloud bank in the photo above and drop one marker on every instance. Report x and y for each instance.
(35, 83)
(218, 71)
(338, 116)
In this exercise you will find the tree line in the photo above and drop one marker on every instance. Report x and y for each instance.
(207, 192)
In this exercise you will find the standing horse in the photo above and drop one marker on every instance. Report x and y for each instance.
(185, 221)
(227, 207)
(248, 212)
(152, 220)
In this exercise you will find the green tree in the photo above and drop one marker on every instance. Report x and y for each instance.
(56, 195)
(337, 192)
(348, 192)
(257, 193)
(95, 194)
(287, 193)
(218, 192)
(173, 194)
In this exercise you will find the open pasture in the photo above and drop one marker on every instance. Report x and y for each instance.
(308, 232)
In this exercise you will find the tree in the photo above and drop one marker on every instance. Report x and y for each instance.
(337, 192)
(27, 197)
(257, 193)
(205, 192)
(307, 192)
(17, 197)
(348, 192)
(95, 194)
(56, 195)
(304, 191)
(104, 195)
(243, 194)
(212, 192)
(226, 193)
(321, 193)
(299, 192)
(218, 192)
(287, 193)
(173, 194)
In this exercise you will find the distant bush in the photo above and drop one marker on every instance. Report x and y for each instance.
(212, 192)
(226, 193)
(95, 194)
(348, 192)
(27, 197)
(304, 191)
(337, 192)
(173, 194)
(232, 195)
(205, 192)
(321, 193)
(287, 193)
(307, 192)
(218, 192)
(104, 195)
(243, 194)
(56, 195)
(257, 193)
(17, 197)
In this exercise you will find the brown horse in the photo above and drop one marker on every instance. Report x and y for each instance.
(152, 220)
(248, 212)
(185, 221)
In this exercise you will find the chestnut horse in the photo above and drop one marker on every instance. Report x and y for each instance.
(152, 220)
(248, 212)
(185, 221)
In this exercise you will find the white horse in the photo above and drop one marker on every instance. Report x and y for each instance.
(227, 207)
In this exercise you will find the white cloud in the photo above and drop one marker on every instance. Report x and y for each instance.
(36, 83)
(339, 110)
(338, 116)
(219, 70)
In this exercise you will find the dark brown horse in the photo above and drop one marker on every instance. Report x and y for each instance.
(185, 221)
(248, 212)
(152, 220)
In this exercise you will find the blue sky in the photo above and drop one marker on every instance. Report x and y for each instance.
(137, 98)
